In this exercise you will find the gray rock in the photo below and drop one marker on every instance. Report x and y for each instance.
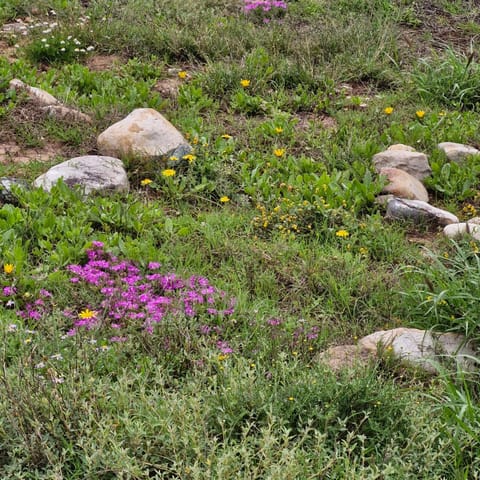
(421, 348)
(456, 152)
(414, 163)
(403, 185)
(64, 113)
(91, 172)
(419, 212)
(6, 193)
(401, 146)
(145, 133)
(37, 95)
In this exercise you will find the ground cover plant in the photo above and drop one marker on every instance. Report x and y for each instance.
(174, 332)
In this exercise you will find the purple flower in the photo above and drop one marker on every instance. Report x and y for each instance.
(8, 291)
(224, 347)
(154, 266)
(274, 322)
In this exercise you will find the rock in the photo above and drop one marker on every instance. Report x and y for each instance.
(403, 185)
(421, 348)
(414, 163)
(64, 113)
(472, 227)
(6, 193)
(400, 146)
(37, 95)
(345, 356)
(91, 172)
(419, 211)
(456, 152)
(143, 132)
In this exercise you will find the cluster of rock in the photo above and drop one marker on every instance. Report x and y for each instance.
(416, 348)
(406, 197)
(143, 133)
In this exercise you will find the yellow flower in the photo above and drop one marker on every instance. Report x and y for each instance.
(279, 152)
(363, 251)
(342, 234)
(442, 113)
(420, 113)
(291, 399)
(226, 136)
(278, 129)
(245, 83)
(222, 357)
(224, 199)
(169, 172)
(189, 157)
(145, 182)
(388, 110)
(8, 268)
(182, 74)
(195, 141)
(173, 158)
(87, 313)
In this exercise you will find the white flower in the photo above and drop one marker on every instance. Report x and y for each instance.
(77, 42)
(56, 356)
(62, 49)
(40, 365)
(47, 45)
(69, 37)
(90, 48)
(76, 50)
(48, 30)
(53, 12)
(12, 328)
(62, 42)
(44, 40)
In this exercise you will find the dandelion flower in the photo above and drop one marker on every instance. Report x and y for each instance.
(388, 110)
(342, 234)
(173, 158)
(87, 313)
(169, 172)
(8, 268)
(245, 83)
(278, 130)
(145, 182)
(226, 136)
(182, 74)
(420, 114)
(189, 157)
(224, 199)
(279, 152)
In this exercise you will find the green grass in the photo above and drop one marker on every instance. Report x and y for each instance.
(300, 243)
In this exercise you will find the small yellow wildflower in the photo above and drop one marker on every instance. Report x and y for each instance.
(224, 199)
(222, 357)
(189, 157)
(182, 74)
(420, 114)
(388, 110)
(245, 83)
(442, 113)
(87, 313)
(173, 158)
(342, 234)
(169, 172)
(363, 250)
(195, 141)
(226, 136)
(145, 182)
(279, 152)
(291, 399)
(278, 130)
(8, 268)
(27, 340)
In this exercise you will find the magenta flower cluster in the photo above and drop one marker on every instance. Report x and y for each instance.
(132, 297)
(264, 5)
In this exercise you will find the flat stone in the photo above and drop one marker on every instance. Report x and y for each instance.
(403, 185)
(472, 228)
(91, 173)
(456, 152)
(37, 95)
(145, 133)
(414, 163)
(64, 113)
(400, 146)
(421, 348)
(419, 212)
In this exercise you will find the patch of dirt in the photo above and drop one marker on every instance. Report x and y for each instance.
(100, 63)
(10, 53)
(11, 152)
(307, 120)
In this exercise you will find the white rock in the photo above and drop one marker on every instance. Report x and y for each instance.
(145, 133)
(414, 163)
(418, 211)
(65, 113)
(403, 185)
(401, 146)
(39, 96)
(457, 152)
(91, 172)
(421, 348)
(472, 228)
